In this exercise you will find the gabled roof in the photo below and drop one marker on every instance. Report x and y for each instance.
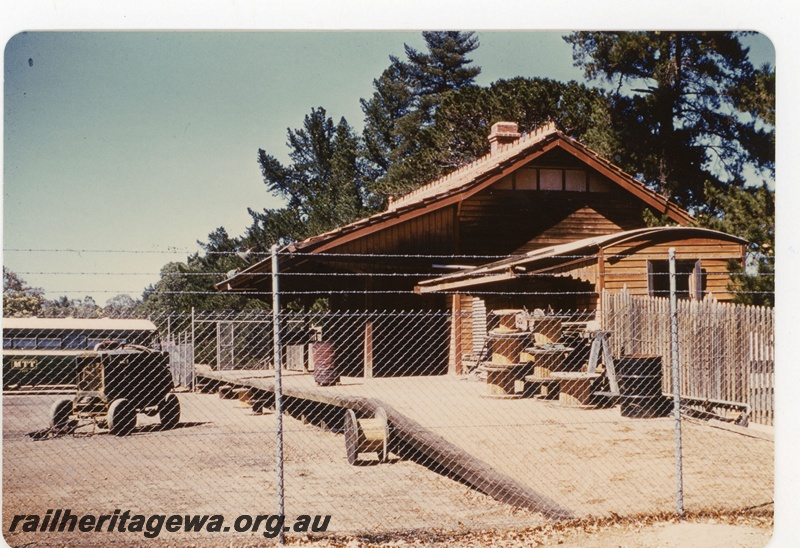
(485, 171)
(466, 182)
(559, 256)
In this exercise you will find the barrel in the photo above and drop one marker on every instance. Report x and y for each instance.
(325, 371)
(640, 378)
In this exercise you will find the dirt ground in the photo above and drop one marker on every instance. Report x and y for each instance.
(222, 460)
(588, 461)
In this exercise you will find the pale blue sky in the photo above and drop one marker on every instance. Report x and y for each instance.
(147, 141)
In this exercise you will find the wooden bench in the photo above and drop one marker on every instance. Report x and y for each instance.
(501, 378)
(571, 388)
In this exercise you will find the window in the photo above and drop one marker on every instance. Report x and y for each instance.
(556, 178)
(75, 341)
(575, 180)
(526, 179)
(550, 179)
(25, 343)
(688, 279)
(49, 343)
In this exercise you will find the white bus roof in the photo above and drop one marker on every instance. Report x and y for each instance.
(105, 324)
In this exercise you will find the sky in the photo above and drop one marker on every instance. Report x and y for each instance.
(124, 148)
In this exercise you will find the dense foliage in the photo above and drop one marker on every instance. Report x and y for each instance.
(20, 299)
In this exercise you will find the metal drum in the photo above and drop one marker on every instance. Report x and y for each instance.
(325, 371)
(640, 377)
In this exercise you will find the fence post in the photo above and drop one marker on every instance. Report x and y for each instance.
(676, 380)
(194, 384)
(276, 353)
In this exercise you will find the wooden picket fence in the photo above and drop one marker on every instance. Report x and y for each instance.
(726, 351)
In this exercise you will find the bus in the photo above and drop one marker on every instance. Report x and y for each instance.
(42, 352)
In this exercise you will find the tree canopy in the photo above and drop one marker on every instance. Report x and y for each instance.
(20, 299)
(323, 187)
(405, 104)
(190, 285)
(694, 119)
(681, 109)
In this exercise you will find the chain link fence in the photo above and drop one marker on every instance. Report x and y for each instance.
(456, 419)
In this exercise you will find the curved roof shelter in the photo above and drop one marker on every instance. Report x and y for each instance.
(98, 324)
(600, 260)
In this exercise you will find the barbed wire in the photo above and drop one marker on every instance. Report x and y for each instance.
(371, 292)
(357, 274)
(72, 250)
(244, 254)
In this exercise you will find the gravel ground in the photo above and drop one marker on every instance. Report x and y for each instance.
(654, 532)
(221, 460)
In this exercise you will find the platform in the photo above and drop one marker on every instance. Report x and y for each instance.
(527, 451)
(414, 438)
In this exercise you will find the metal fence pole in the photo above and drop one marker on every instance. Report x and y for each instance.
(676, 380)
(276, 353)
(194, 384)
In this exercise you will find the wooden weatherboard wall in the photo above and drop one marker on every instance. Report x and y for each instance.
(626, 266)
(531, 192)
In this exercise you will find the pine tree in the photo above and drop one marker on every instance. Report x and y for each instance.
(404, 105)
(675, 108)
(323, 186)
(461, 125)
(444, 68)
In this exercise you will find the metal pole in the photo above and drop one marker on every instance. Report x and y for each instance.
(194, 383)
(276, 353)
(676, 380)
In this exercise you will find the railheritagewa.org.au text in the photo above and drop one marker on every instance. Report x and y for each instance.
(153, 525)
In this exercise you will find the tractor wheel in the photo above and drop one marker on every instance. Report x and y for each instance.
(60, 412)
(121, 417)
(169, 411)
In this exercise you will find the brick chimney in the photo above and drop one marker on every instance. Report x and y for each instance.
(502, 135)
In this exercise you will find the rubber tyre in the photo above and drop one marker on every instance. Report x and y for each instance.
(169, 412)
(121, 417)
(60, 412)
